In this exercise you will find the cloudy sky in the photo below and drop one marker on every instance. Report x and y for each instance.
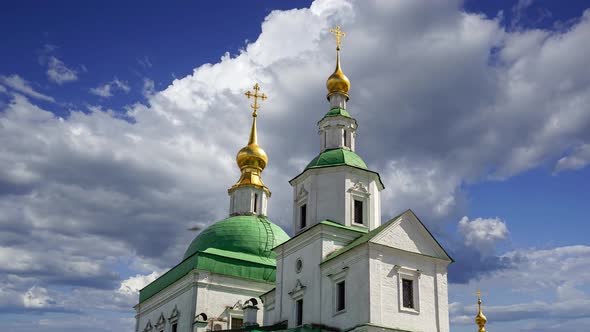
(119, 127)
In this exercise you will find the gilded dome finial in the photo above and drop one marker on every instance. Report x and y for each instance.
(480, 319)
(338, 82)
(252, 159)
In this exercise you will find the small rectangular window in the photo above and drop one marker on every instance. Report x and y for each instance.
(340, 296)
(236, 323)
(345, 139)
(175, 327)
(299, 312)
(303, 216)
(408, 293)
(358, 212)
(255, 203)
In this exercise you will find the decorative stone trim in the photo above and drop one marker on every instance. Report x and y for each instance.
(174, 315)
(161, 323)
(409, 274)
(148, 326)
(298, 291)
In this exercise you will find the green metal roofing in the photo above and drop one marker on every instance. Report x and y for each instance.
(238, 246)
(254, 235)
(337, 111)
(336, 157)
(337, 225)
(330, 223)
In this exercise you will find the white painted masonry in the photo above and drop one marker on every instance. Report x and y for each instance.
(218, 296)
(372, 272)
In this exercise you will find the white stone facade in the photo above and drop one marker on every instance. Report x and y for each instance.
(372, 271)
(220, 297)
(329, 194)
(337, 132)
(248, 200)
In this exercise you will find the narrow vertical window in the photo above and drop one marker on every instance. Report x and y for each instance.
(358, 212)
(255, 203)
(340, 296)
(175, 327)
(408, 293)
(299, 312)
(345, 138)
(303, 216)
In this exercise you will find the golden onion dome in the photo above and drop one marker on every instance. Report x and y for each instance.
(252, 159)
(252, 155)
(480, 319)
(338, 82)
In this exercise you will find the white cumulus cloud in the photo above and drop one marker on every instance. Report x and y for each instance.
(483, 233)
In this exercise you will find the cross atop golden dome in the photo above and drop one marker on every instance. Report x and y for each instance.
(338, 82)
(252, 159)
(480, 319)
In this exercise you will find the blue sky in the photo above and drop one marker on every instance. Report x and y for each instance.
(119, 126)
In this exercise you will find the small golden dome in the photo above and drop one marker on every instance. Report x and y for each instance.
(252, 159)
(252, 155)
(338, 82)
(480, 319)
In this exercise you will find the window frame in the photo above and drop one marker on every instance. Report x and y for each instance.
(255, 208)
(299, 312)
(359, 192)
(414, 276)
(355, 200)
(303, 216)
(340, 296)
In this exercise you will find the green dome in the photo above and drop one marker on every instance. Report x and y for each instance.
(336, 157)
(251, 235)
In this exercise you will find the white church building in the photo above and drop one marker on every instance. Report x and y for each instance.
(343, 269)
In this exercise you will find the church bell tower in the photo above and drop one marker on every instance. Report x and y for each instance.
(337, 185)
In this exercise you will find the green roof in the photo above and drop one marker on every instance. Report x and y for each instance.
(254, 235)
(337, 225)
(238, 246)
(335, 157)
(337, 111)
(360, 230)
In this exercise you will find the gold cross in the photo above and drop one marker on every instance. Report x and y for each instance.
(339, 34)
(478, 294)
(255, 95)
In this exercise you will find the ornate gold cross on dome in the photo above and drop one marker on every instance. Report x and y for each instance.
(255, 95)
(339, 34)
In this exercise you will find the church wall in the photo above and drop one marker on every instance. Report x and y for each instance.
(311, 247)
(324, 199)
(310, 254)
(329, 195)
(218, 292)
(350, 267)
(387, 266)
(180, 295)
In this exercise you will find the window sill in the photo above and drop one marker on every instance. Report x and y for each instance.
(410, 310)
(337, 313)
